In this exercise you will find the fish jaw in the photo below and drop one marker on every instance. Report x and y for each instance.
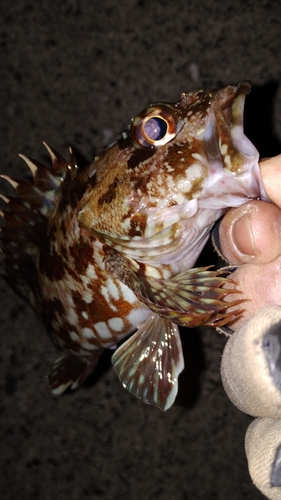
(234, 174)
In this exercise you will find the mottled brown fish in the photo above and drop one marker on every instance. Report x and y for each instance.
(107, 251)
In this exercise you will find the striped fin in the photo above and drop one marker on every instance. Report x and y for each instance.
(149, 363)
(192, 298)
(71, 371)
(42, 194)
(21, 238)
(26, 219)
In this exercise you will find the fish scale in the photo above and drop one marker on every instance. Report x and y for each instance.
(108, 251)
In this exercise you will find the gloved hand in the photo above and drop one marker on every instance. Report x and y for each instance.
(250, 237)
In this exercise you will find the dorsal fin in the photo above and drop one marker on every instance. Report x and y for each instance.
(26, 219)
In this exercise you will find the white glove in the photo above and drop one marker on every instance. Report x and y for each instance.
(251, 375)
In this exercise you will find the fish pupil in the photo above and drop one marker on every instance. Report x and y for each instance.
(155, 128)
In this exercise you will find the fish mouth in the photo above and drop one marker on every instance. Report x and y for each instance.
(224, 138)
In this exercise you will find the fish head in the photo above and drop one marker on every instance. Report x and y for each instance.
(176, 170)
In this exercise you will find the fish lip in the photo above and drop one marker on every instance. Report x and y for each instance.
(228, 96)
(241, 143)
(224, 138)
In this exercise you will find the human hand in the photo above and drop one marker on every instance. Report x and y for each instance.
(250, 237)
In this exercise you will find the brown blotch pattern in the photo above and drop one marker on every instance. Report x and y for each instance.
(124, 143)
(51, 310)
(50, 264)
(82, 253)
(139, 156)
(138, 225)
(110, 194)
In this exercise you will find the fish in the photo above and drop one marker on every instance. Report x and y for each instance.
(105, 255)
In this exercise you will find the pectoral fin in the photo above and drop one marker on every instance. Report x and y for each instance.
(149, 363)
(191, 298)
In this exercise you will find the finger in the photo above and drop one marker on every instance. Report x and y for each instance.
(259, 285)
(263, 450)
(251, 365)
(271, 176)
(251, 233)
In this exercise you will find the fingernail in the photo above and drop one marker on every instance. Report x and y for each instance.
(242, 236)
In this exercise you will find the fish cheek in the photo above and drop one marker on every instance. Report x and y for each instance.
(110, 194)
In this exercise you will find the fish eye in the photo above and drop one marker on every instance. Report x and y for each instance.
(154, 127)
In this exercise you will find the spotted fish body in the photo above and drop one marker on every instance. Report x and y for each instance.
(107, 251)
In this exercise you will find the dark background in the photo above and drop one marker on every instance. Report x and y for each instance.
(73, 73)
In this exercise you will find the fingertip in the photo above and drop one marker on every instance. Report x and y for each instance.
(250, 233)
(271, 176)
(260, 285)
